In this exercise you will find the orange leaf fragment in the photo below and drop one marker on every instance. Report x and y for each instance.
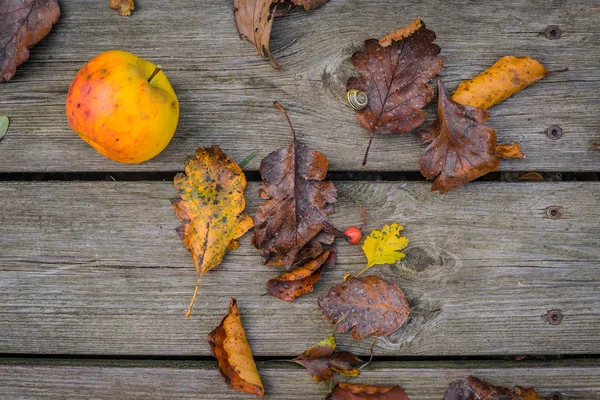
(401, 33)
(532, 176)
(228, 343)
(123, 7)
(509, 151)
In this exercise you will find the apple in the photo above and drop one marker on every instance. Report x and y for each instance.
(123, 106)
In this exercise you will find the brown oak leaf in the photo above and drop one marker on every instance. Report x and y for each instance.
(301, 280)
(123, 7)
(292, 225)
(23, 23)
(321, 360)
(364, 306)
(474, 388)
(350, 391)
(396, 81)
(460, 149)
(229, 345)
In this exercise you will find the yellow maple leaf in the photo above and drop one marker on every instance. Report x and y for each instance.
(383, 246)
(210, 205)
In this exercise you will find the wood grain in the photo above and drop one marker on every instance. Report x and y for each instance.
(226, 90)
(96, 268)
(33, 379)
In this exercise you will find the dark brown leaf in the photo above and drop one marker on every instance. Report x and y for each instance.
(123, 7)
(460, 149)
(23, 23)
(301, 280)
(349, 391)
(292, 224)
(474, 388)
(396, 81)
(321, 361)
(364, 306)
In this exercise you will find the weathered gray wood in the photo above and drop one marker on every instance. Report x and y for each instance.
(31, 380)
(226, 91)
(96, 268)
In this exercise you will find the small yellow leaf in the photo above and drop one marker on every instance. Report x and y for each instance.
(383, 246)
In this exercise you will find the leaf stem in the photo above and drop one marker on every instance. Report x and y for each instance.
(246, 160)
(156, 71)
(189, 311)
(276, 104)
(368, 148)
(364, 216)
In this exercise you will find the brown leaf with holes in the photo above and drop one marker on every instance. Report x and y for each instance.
(292, 225)
(474, 388)
(301, 280)
(364, 306)
(23, 23)
(254, 20)
(460, 149)
(353, 391)
(123, 7)
(321, 361)
(396, 81)
(229, 345)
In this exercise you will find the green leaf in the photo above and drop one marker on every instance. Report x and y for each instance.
(3, 126)
(383, 246)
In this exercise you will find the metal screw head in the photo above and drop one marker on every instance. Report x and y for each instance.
(554, 132)
(554, 212)
(553, 32)
(554, 317)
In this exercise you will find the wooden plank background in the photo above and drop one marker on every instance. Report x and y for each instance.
(226, 90)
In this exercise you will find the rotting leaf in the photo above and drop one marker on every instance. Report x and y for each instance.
(532, 176)
(353, 391)
(254, 20)
(302, 279)
(123, 7)
(292, 225)
(228, 343)
(396, 81)
(210, 205)
(23, 23)
(384, 246)
(474, 388)
(321, 360)
(506, 77)
(364, 306)
(460, 149)
(3, 126)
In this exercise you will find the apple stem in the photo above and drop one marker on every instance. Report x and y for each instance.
(156, 71)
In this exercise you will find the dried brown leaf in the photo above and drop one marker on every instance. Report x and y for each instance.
(474, 388)
(321, 360)
(350, 391)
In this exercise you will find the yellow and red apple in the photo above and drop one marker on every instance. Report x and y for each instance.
(123, 106)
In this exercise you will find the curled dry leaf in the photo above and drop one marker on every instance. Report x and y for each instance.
(506, 77)
(532, 176)
(460, 149)
(349, 391)
(474, 388)
(292, 225)
(23, 23)
(384, 246)
(123, 7)
(364, 306)
(210, 205)
(321, 361)
(396, 81)
(229, 345)
(301, 280)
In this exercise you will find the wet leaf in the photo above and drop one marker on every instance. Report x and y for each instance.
(384, 246)
(461, 148)
(23, 23)
(532, 176)
(349, 391)
(321, 360)
(123, 7)
(229, 345)
(301, 280)
(3, 126)
(292, 225)
(364, 306)
(210, 205)
(506, 77)
(396, 81)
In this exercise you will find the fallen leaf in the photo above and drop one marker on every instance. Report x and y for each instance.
(396, 81)
(254, 20)
(364, 306)
(23, 23)
(520, 393)
(383, 246)
(401, 33)
(3, 126)
(532, 176)
(210, 205)
(123, 7)
(292, 225)
(474, 388)
(301, 280)
(509, 151)
(460, 149)
(321, 361)
(353, 391)
(595, 145)
(229, 345)
(506, 77)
